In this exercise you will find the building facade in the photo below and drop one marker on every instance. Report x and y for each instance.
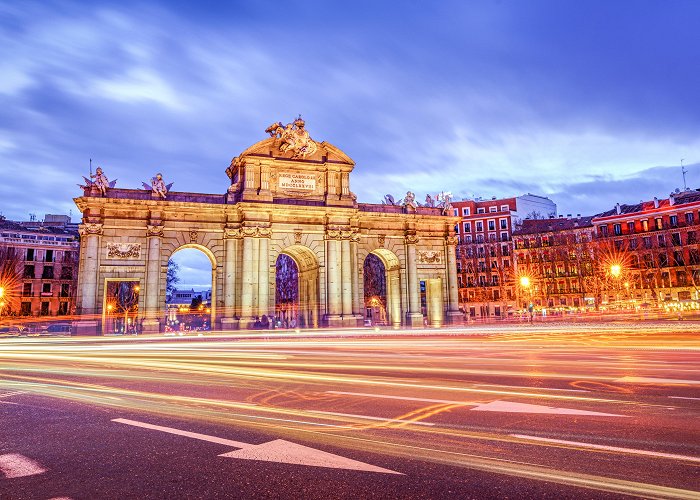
(287, 195)
(556, 263)
(485, 262)
(657, 246)
(47, 266)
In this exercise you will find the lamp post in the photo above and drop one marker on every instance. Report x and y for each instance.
(616, 272)
(525, 284)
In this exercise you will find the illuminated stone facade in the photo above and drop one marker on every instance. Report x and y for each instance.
(287, 195)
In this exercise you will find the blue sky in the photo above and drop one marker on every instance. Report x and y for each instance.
(588, 102)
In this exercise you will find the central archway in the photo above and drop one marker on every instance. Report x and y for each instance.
(297, 287)
(383, 292)
(191, 301)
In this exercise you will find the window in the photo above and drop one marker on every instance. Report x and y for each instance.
(66, 273)
(681, 278)
(48, 273)
(467, 227)
(630, 227)
(504, 208)
(673, 220)
(479, 226)
(676, 239)
(466, 211)
(46, 288)
(25, 309)
(504, 236)
(603, 230)
(62, 309)
(479, 238)
(493, 209)
(647, 242)
(678, 258)
(30, 254)
(617, 229)
(633, 243)
(662, 240)
(658, 223)
(27, 290)
(44, 311)
(481, 210)
(29, 272)
(694, 257)
(645, 225)
(504, 223)
(468, 238)
(663, 260)
(689, 218)
(48, 256)
(492, 225)
(65, 290)
(456, 211)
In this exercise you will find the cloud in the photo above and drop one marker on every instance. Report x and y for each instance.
(479, 98)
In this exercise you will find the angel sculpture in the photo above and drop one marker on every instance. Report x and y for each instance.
(445, 199)
(158, 186)
(429, 202)
(410, 200)
(101, 182)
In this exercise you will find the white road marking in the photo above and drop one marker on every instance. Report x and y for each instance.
(610, 448)
(683, 397)
(503, 406)
(652, 380)
(279, 450)
(15, 465)
(372, 418)
(403, 398)
(509, 407)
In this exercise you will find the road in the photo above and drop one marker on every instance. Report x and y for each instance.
(518, 411)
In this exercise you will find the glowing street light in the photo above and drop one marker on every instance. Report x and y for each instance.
(525, 281)
(2, 291)
(615, 270)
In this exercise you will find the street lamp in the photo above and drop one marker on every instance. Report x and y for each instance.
(615, 270)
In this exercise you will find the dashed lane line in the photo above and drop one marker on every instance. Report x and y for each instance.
(15, 465)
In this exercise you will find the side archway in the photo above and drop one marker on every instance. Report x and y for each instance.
(297, 287)
(382, 290)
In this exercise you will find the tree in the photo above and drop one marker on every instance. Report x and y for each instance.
(171, 277)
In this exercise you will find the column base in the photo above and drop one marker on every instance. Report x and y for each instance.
(85, 328)
(333, 320)
(230, 324)
(414, 320)
(352, 321)
(150, 326)
(455, 318)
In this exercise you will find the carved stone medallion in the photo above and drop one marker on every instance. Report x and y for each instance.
(429, 257)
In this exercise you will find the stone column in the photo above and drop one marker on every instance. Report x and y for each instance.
(231, 257)
(346, 276)
(247, 282)
(87, 279)
(263, 275)
(356, 305)
(333, 277)
(414, 316)
(151, 323)
(453, 313)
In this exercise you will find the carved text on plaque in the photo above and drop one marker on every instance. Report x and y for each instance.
(294, 181)
(429, 257)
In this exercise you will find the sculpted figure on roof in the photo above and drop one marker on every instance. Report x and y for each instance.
(293, 138)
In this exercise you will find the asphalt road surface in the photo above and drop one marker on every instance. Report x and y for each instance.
(589, 411)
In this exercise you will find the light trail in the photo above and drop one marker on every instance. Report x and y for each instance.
(412, 388)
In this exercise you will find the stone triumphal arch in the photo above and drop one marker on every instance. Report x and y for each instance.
(288, 195)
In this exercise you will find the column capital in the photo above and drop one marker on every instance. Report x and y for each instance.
(342, 233)
(156, 231)
(256, 231)
(233, 233)
(411, 237)
(90, 228)
(451, 240)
